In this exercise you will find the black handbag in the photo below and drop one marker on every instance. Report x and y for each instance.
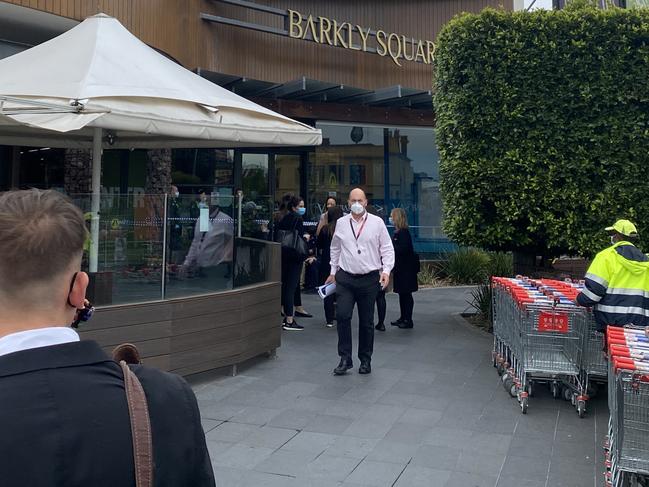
(292, 242)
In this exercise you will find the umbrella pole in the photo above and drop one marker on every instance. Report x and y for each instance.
(96, 199)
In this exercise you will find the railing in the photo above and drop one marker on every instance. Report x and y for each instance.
(156, 247)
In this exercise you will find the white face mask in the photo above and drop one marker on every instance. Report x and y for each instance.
(357, 208)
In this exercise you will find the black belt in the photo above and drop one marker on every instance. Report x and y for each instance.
(360, 275)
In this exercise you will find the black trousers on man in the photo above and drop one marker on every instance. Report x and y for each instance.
(361, 290)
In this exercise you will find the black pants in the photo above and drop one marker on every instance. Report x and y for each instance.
(290, 282)
(360, 290)
(406, 303)
(330, 307)
(381, 305)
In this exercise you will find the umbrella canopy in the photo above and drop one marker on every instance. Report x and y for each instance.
(99, 75)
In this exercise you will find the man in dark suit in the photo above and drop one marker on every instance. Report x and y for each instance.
(63, 411)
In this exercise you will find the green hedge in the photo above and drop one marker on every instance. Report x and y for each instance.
(543, 127)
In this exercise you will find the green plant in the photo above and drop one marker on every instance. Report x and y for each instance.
(429, 275)
(467, 266)
(543, 126)
(501, 264)
(481, 303)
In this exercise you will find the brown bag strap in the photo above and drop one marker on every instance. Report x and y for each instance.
(140, 427)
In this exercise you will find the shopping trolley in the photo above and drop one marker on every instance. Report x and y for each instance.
(627, 445)
(538, 337)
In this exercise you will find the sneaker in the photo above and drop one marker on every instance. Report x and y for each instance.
(292, 326)
(329, 324)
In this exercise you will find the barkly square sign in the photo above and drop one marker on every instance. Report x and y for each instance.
(359, 38)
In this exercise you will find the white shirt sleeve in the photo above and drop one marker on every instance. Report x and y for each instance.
(334, 253)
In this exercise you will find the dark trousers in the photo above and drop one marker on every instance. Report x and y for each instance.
(360, 290)
(381, 305)
(290, 281)
(330, 308)
(406, 303)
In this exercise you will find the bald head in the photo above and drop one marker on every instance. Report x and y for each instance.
(357, 194)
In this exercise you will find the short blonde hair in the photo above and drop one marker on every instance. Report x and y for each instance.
(399, 218)
(41, 234)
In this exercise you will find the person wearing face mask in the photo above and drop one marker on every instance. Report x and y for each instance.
(297, 300)
(617, 281)
(362, 258)
(330, 203)
(63, 407)
(290, 220)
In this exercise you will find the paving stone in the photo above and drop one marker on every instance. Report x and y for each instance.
(423, 417)
(288, 463)
(411, 434)
(255, 415)
(523, 468)
(377, 474)
(269, 437)
(480, 463)
(516, 482)
(415, 476)
(470, 480)
(331, 467)
(348, 446)
(292, 419)
(437, 457)
(390, 451)
(310, 442)
(326, 423)
(241, 456)
(231, 432)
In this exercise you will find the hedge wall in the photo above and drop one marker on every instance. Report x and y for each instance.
(543, 127)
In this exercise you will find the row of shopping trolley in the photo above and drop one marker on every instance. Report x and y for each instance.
(627, 443)
(542, 337)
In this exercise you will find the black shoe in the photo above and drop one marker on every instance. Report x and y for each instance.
(406, 324)
(343, 367)
(365, 368)
(380, 327)
(397, 323)
(292, 326)
(303, 315)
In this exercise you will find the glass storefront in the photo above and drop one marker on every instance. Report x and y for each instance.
(397, 167)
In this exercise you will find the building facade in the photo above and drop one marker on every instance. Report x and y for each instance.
(360, 71)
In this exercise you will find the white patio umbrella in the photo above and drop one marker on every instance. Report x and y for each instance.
(99, 86)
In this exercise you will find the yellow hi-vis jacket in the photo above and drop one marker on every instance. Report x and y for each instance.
(617, 286)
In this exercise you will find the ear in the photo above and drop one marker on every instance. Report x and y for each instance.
(78, 294)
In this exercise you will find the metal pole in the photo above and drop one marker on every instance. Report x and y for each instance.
(96, 199)
(164, 247)
(240, 198)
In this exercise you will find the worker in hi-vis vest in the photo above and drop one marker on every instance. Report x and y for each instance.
(617, 281)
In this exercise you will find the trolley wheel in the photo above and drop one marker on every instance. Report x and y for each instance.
(530, 389)
(513, 390)
(555, 390)
(581, 408)
(499, 369)
(505, 377)
(509, 385)
(567, 394)
(524, 405)
(592, 389)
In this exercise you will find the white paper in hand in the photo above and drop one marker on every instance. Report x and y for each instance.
(327, 290)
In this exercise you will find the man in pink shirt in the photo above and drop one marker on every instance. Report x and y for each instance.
(362, 257)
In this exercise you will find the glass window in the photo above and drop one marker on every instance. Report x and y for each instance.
(414, 183)
(349, 156)
(206, 169)
(396, 166)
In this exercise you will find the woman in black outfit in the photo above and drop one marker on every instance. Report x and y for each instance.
(289, 219)
(323, 244)
(405, 267)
